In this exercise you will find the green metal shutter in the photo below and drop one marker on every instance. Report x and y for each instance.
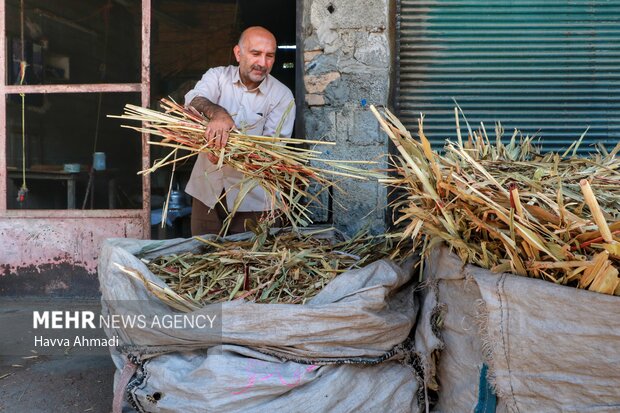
(545, 67)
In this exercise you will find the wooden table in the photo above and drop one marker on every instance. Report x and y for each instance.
(54, 175)
(71, 179)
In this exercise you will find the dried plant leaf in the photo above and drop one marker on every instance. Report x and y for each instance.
(507, 207)
(285, 267)
(283, 167)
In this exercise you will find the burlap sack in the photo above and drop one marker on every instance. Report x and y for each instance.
(549, 348)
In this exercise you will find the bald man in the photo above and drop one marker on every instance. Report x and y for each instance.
(246, 97)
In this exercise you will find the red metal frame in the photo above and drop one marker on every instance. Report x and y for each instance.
(143, 88)
(3, 106)
(71, 237)
(146, 98)
(89, 88)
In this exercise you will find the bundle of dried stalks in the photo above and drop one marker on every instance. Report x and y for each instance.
(509, 209)
(283, 167)
(287, 267)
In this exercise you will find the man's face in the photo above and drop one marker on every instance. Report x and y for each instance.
(255, 56)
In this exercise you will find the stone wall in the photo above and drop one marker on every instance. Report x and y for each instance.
(347, 58)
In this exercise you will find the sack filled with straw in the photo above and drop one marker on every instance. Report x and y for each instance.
(282, 267)
(508, 208)
(283, 167)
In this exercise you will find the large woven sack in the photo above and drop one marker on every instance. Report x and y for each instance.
(239, 379)
(549, 348)
(362, 317)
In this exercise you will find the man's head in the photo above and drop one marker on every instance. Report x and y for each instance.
(255, 53)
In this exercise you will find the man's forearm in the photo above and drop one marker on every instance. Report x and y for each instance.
(220, 122)
(208, 108)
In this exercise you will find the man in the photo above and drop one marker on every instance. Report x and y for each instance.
(246, 97)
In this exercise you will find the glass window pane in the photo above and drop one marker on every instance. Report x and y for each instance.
(63, 132)
(73, 42)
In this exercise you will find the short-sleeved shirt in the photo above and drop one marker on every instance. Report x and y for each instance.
(255, 112)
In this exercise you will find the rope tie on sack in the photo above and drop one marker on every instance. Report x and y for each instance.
(129, 369)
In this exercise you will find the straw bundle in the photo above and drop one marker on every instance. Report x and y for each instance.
(281, 166)
(508, 209)
(287, 267)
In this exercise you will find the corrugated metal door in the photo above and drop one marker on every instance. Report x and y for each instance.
(550, 67)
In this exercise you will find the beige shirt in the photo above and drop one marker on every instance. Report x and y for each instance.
(255, 112)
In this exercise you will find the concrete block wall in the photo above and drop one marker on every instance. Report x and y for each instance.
(347, 62)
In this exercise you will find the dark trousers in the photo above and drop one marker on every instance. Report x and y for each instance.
(207, 220)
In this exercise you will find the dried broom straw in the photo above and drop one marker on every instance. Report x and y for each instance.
(508, 208)
(282, 167)
(287, 267)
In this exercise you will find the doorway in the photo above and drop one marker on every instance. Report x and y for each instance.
(191, 36)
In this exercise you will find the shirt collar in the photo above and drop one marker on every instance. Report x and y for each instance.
(236, 79)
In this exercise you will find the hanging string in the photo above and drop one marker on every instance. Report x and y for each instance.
(21, 194)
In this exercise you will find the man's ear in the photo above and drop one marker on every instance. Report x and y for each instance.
(237, 52)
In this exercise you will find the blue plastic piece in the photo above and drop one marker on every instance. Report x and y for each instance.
(487, 400)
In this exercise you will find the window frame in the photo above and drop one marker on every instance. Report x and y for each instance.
(143, 88)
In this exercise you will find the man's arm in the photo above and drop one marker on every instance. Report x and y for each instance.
(220, 121)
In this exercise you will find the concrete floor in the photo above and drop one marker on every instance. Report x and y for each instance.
(68, 383)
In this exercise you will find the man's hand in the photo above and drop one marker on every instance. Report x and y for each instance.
(216, 133)
(219, 126)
